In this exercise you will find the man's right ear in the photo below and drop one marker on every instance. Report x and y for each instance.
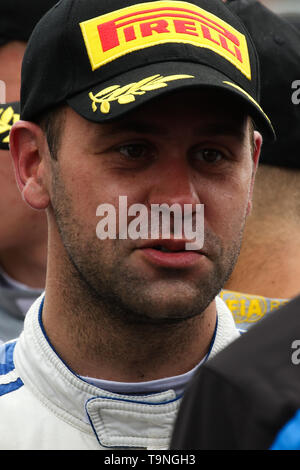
(28, 147)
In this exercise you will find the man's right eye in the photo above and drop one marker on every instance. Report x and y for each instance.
(135, 151)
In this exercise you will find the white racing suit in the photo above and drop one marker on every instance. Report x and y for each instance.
(45, 406)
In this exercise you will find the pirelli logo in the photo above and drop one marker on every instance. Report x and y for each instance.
(111, 36)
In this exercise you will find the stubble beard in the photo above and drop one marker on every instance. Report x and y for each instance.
(105, 289)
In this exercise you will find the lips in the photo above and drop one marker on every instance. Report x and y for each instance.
(170, 254)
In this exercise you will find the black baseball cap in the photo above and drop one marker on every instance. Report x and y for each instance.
(9, 115)
(277, 42)
(105, 58)
(19, 17)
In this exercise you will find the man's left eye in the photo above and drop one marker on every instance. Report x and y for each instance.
(208, 155)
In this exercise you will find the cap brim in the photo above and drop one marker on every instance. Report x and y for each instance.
(120, 95)
(9, 114)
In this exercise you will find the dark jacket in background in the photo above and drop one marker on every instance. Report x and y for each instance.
(248, 393)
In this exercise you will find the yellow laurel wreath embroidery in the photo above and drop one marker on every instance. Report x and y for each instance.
(7, 119)
(127, 93)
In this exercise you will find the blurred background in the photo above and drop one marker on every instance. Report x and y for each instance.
(283, 6)
(289, 9)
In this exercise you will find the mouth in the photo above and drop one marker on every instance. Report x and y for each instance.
(163, 249)
(170, 254)
(169, 246)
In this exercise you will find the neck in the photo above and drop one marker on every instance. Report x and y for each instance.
(268, 264)
(96, 344)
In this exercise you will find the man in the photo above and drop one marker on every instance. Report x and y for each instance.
(248, 396)
(23, 231)
(267, 273)
(150, 104)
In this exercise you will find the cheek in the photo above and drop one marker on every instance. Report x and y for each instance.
(95, 197)
(226, 204)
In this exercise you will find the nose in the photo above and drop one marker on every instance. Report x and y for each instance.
(174, 184)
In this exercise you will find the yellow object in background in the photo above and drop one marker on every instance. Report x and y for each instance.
(249, 309)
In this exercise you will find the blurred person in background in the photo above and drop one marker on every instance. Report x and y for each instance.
(267, 274)
(23, 231)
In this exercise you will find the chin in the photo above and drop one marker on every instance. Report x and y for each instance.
(176, 309)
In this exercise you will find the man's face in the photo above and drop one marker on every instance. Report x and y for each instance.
(187, 148)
